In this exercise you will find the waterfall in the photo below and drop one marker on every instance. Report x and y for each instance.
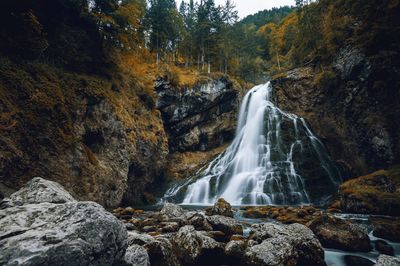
(274, 159)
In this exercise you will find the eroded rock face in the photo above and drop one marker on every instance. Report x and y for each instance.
(337, 233)
(198, 118)
(63, 233)
(352, 112)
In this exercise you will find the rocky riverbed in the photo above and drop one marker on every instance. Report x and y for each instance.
(43, 224)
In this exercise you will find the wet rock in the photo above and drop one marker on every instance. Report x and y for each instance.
(357, 261)
(195, 247)
(38, 190)
(136, 255)
(139, 238)
(387, 228)
(172, 211)
(221, 207)
(292, 244)
(337, 233)
(286, 215)
(383, 247)
(73, 233)
(225, 224)
(384, 260)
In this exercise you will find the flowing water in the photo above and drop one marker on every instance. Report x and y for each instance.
(274, 159)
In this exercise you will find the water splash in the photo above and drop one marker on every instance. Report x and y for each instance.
(272, 160)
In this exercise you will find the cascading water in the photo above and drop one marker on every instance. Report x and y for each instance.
(274, 159)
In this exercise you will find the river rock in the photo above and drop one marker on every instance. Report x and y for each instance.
(384, 260)
(73, 233)
(221, 207)
(337, 233)
(38, 190)
(225, 224)
(136, 255)
(388, 228)
(195, 247)
(384, 248)
(171, 210)
(292, 244)
(235, 248)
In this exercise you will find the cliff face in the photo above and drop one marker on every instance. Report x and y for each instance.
(198, 118)
(353, 106)
(76, 130)
(99, 138)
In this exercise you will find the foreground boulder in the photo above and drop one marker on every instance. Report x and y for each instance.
(221, 207)
(337, 233)
(194, 247)
(38, 190)
(65, 233)
(292, 244)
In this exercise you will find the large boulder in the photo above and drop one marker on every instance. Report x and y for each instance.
(376, 193)
(73, 233)
(159, 248)
(61, 231)
(224, 224)
(275, 244)
(195, 247)
(171, 210)
(338, 233)
(38, 190)
(221, 207)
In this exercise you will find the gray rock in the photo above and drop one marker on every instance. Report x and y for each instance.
(385, 260)
(139, 238)
(73, 233)
(225, 224)
(136, 255)
(337, 233)
(38, 190)
(198, 118)
(193, 246)
(172, 211)
(235, 248)
(284, 245)
(272, 252)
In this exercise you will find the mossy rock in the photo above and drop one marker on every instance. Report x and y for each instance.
(376, 193)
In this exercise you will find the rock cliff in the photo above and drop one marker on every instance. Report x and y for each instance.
(351, 105)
